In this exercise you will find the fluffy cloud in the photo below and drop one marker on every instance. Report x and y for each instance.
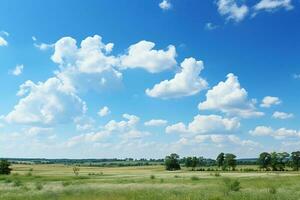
(231, 10)
(125, 129)
(156, 122)
(205, 124)
(271, 5)
(104, 111)
(142, 55)
(282, 115)
(268, 101)
(228, 97)
(165, 5)
(278, 134)
(187, 82)
(296, 76)
(46, 103)
(219, 139)
(18, 70)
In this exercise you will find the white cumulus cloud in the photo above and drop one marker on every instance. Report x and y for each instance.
(142, 55)
(187, 82)
(205, 124)
(104, 111)
(277, 134)
(268, 101)
(230, 98)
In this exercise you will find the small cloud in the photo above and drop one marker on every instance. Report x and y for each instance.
(3, 42)
(104, 111)
(33, 38)
(165, 5)
(43, 46)
(210, 26)
(268, 101)
(156, 122)
(282, 115)
(18, 70)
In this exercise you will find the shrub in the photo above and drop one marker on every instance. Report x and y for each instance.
(17, 183)
(176, 176)
(272, 190)
(39, 186)
(195, 178)
(217, 174)
(28, 174)
(152, 177)
(231, 185)
(161, 180)
(66, 183)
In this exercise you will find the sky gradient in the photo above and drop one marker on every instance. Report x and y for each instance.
(142, 79)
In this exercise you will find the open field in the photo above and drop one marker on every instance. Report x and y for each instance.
(151, 182)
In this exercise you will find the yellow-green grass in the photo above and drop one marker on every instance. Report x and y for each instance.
(150, 182)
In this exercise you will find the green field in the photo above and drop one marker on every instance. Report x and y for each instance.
(151, 182)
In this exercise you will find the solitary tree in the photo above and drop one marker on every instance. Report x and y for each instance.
(295, 160)
(220, 160)
(5, 167)
(172, 162)
(76, 170)
(264, 160)
(230, 161)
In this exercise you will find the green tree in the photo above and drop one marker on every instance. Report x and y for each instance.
(188, 162)
(295, 160)
(172, 162)
(264, 160)
(195, 162)
(283, 159)
(220, 160)
(5, 167)
(274, 161)
(230, 161)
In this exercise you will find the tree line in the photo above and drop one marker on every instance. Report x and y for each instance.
(227, 161)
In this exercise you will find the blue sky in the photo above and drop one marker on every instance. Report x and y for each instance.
(107, 78)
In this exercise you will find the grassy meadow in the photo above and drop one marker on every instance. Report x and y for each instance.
(150, 182)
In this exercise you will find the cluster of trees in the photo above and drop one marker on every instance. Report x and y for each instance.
(4, 167)
(267, 161)
(279, 161)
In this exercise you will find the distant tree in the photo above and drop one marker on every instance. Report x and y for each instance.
(195, 162)
(279, 161)
(5, 167)
(295, 160)
(230, 161)
(220, 160)
(76, 170)
(188, 162)
(264, 160)
(283, 159)
(172, 162)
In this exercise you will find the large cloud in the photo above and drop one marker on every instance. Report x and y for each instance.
(46, 103)
(142, 55)
(187, 82)
(228, 97)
